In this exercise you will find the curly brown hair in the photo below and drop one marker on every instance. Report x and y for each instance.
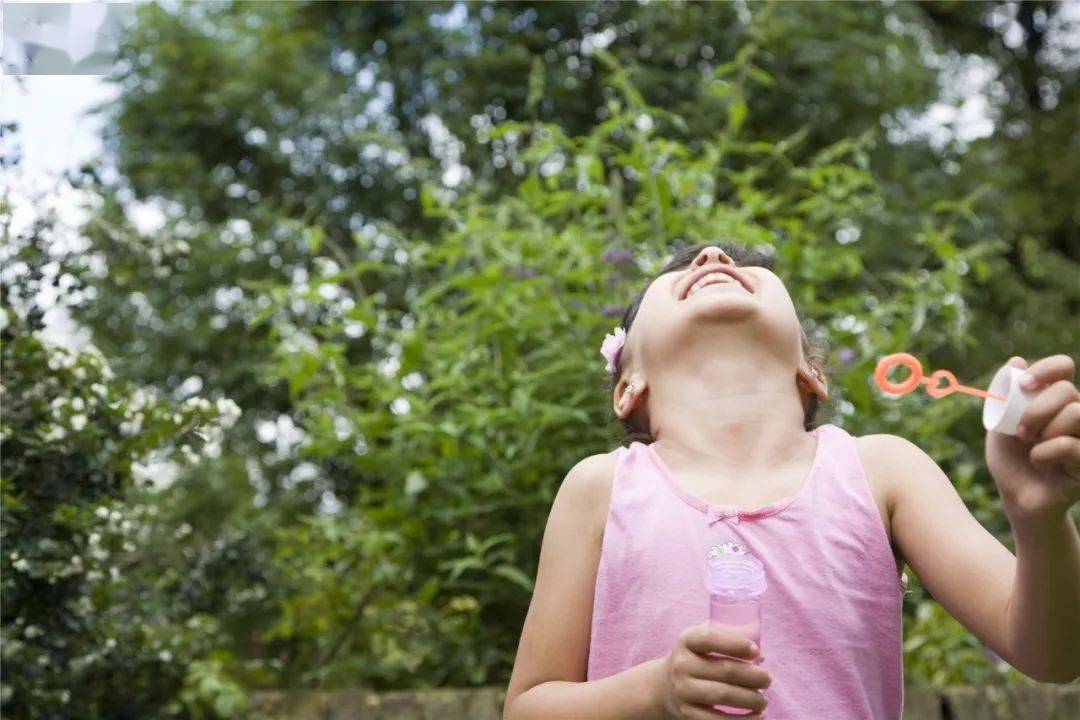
(815, 354)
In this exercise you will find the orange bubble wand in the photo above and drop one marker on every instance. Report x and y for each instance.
(939, 384)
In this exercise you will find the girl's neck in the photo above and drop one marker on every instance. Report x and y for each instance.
(742, 413)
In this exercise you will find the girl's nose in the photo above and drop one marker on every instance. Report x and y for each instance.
(712, 254)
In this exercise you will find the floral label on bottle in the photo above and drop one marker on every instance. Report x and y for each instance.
(729, 548)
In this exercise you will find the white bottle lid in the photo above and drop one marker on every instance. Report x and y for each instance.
(1003, 416)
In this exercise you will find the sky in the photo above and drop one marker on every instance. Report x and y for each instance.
(54, 134)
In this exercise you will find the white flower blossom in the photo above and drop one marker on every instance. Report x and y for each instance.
(56, 432)
(196, 403)
(189, 454)
(139, 400)
(212, 449)
(131, 426)
(228, 411)
(78, 422)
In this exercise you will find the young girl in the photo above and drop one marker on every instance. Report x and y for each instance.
(717, 387)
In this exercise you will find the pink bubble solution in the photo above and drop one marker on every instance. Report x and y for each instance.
(736, 584)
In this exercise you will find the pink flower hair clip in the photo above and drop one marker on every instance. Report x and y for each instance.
(612, 349)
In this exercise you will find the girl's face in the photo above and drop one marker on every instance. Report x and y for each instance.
(712, 295)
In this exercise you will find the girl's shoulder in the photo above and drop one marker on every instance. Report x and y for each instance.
(586, 489)
(886, 456)
(889, 463)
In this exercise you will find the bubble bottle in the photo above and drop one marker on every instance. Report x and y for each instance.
(736, 585)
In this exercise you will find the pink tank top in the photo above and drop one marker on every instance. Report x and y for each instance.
(831, 616)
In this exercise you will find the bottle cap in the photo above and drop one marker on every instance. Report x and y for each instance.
(735, 574)
(1003, 416)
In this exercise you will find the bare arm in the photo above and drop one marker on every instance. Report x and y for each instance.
(1042, 619)
(961, 564)
(1038, 476)
(548, 679)
(1024, 607)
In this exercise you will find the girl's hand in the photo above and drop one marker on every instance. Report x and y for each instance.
(690, 682)
(1038, 471)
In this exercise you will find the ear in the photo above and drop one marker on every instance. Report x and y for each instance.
(628, 395)
(811, 381)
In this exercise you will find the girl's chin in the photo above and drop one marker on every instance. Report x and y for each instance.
(723, 305)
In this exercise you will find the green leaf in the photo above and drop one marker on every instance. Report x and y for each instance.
(315, 236)
(536, 84)
(515, 576)
(736, 111)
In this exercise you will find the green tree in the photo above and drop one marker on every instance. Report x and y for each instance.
(374, 205)
(89, 621)
(483, 405)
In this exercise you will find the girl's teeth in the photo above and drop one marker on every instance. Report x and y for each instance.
(711, 279)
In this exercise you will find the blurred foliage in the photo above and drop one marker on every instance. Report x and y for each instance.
(92, 624)
(396, 233)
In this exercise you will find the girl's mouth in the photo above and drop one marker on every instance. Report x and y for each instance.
(718, 278)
